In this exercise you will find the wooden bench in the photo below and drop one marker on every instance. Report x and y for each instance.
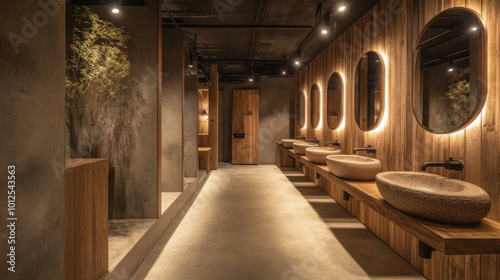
(205, 157)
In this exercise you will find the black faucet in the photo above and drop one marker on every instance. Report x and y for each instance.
(302, 137)
(369, 149)
(314, 140)
(452, 164)
(333, 143)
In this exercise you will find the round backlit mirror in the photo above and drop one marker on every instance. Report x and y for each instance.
(315, 108)
(369, 91)
(448, 92)
(301, 109)
(335, 101)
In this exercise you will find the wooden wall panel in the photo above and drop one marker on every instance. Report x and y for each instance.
(245, 120)
(393, 30)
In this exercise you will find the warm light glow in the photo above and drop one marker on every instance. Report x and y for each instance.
(115, 11)
(250, 79)
(324, 31)
(342, 124)
(320, 123)
(306, 112)
(297, 62)
(450, 69)
(284, 72)
(383, 122)
(473, 28)
(342, 8)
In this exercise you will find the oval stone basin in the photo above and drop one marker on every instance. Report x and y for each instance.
(318, 154)
(354, 167)
(300, 147)
(434, 197)
(287, 143)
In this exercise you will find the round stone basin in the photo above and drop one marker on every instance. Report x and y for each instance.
(354, 167)
(434, 197)
(287, 143)
(300, 147)
(318, 154)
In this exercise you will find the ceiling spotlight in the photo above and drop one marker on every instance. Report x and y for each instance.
(473, 28)
(115, 10)
(324, 31)
(450, 66)
(283, 72)
(342, 8)
(250, 79)
(297, 62)
(190, 65)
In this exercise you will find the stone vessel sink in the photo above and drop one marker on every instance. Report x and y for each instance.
(300, 147)
(287, 143)
(318, 154)
(434, 197)
(354, 167)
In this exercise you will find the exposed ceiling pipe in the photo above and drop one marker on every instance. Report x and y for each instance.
(310, 35)
(204, 71)
(259, 20)
(239, 26)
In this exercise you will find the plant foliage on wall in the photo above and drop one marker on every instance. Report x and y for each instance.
(96, 72)
(458, 96)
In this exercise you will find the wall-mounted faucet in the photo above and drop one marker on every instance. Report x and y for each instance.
(452, 164)
(369, 149)
(301, 137)
(314, 140)
(333, 143)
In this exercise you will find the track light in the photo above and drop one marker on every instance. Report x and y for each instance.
(450, 66)
(299, 57)
(115, 10)
(326, 24)
(190, 61)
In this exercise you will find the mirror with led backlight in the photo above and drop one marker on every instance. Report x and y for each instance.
(301, 109)
(315, 107)
(335, 101)
(448, 92)
(369, 91)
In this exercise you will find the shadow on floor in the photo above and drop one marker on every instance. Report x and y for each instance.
(370, 252)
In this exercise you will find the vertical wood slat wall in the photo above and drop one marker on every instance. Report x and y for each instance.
(392, 28)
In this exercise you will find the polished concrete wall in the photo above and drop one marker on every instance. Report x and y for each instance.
(32, 137)
(191, 123)
(275, 112)
(172, 111)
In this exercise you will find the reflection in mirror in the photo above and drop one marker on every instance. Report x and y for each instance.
(449, 93)
(334, 100)
(315, 109)
(369, 91)
(301, 109)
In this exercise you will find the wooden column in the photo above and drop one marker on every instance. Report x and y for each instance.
(213, 115)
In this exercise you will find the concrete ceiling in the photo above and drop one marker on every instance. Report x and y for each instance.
(259, 36)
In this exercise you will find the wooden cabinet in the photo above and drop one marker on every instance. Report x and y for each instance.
(245, 127)
(86, 192)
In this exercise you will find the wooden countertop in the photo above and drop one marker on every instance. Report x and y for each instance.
(479, 238)
(74, 162)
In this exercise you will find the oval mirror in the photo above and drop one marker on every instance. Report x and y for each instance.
(315, 106)
(369, 91)
(301, 109)
(448, 92)
(335, 101)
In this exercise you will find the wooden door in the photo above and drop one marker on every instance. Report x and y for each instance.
(245, 127)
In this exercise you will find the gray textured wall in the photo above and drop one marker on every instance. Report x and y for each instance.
(127, 132)
(275, 110)
(191, 124)
(172, 111)
(32, 137)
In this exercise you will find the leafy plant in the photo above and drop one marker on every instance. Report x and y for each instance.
(458, 92)
(95, 74)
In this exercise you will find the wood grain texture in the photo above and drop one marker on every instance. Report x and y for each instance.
(246, 121)
(213, 115)
(86, 192)
(205, 158)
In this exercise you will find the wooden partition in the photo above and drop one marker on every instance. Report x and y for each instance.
(86, 192)
(392, 28)
(245, 144)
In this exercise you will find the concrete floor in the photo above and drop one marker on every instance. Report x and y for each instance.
(258, 222)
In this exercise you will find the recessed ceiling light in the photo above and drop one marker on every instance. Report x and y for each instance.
(250, 79)
(283, 72)
(115, 11)
(473, 28)
(450, 69)
(297, 62)
(342, 8)
(324, 31)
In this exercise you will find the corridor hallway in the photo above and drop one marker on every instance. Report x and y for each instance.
(260, 222)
